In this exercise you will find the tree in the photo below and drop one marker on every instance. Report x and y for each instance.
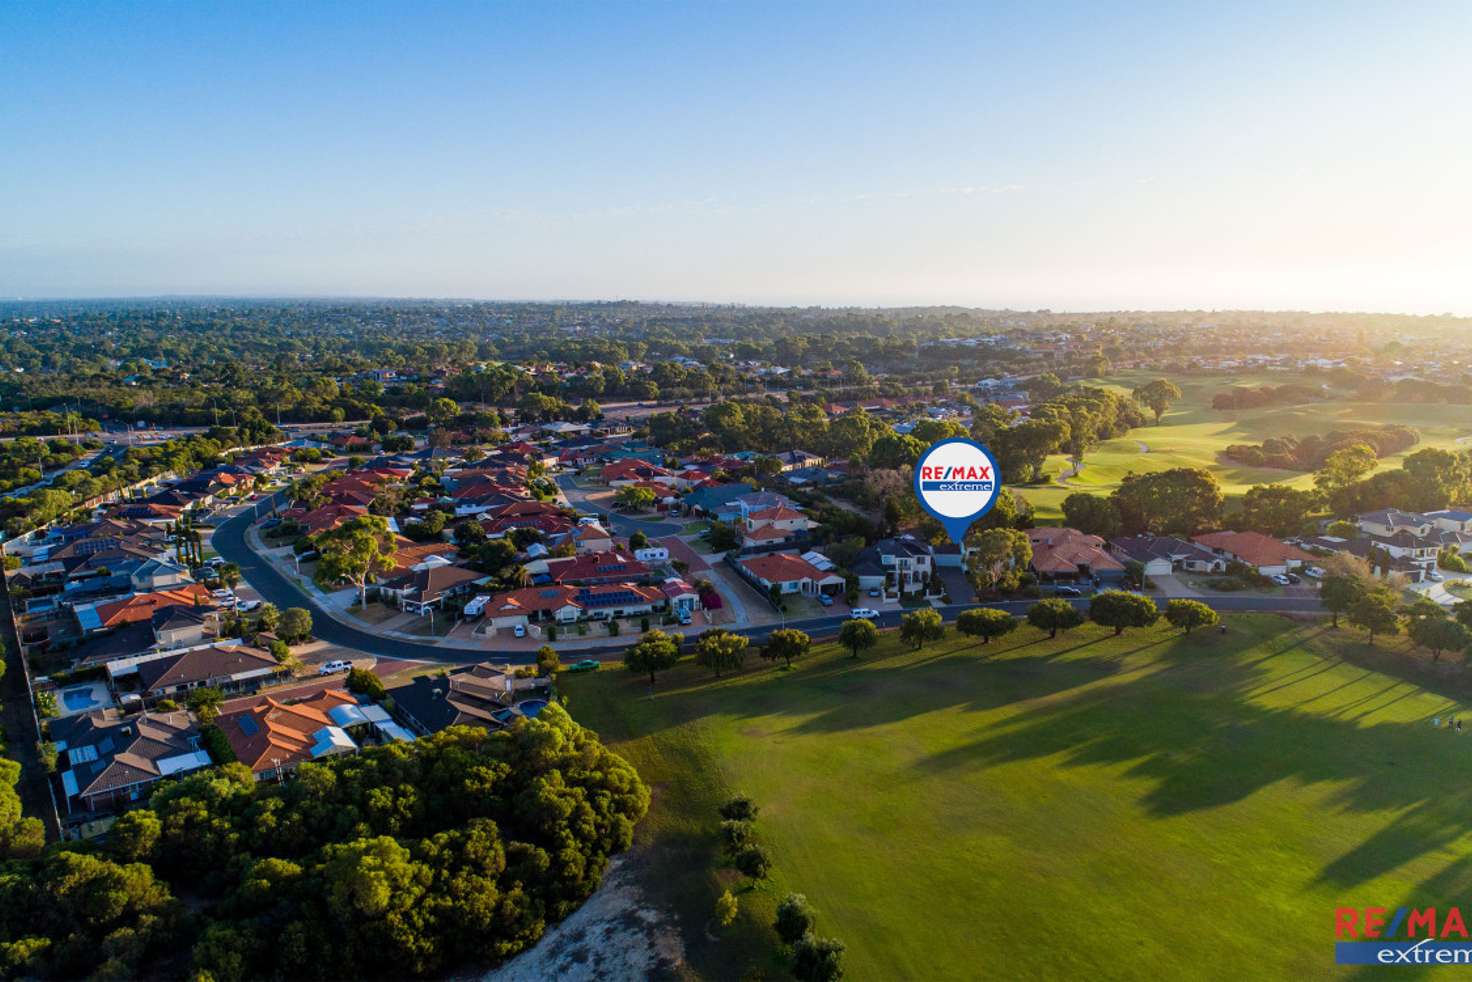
(795, 918)
(654, 652)
(296, 624)
(817, 959)
(753, 863)
(858, 635)
(268, 618)
(1340, 591)
(134, 836)
(997, 555)
(630, 497)
(1276, 509)
(1091, 514)
(895, 450)
(229, 575)
(985, 623)
(356, 552)
(1053, 615)
(1119, 610)
(1180, 501)
(736, 835)
(726, 908)
(205, 703)
(1189, 614)
(719, 650)
(1375, 612)
(1344, 467)
(788, 644)
(547, 662)
(1438, 634)
(638, 540)
(739, 809)
(921, 626)
(1157, 396)
(364, 682)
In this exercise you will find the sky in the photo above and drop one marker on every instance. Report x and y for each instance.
(1071, 156)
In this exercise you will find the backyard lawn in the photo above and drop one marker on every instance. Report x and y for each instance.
(1148, 806)
(1192, 434)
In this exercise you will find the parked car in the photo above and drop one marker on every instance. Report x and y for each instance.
(1067, 591)
(1281, 580)
(685, 618)
(1313, 571)
(224, 593)
(863, 614)
(586, 665)
(1435, 577)
(875, 592)
(825, 599)
(333, 667)
(1293, 577)
(519, 631)
(246, 606)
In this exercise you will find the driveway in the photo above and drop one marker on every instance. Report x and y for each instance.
(622, 524)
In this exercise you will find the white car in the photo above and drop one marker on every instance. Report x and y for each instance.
(863, 614)
(1435, 577)
(519, 631)
(1281, 580)
(1313, 572)
(246, 606)
(333, 667)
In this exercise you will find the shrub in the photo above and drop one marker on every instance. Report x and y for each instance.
(795, 918)
(364, 682)
(739, 809)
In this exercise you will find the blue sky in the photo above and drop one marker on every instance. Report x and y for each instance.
(1073, 157)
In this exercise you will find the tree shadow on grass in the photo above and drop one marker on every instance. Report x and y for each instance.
(1207, 747)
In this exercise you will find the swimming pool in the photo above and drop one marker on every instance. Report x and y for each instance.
(531, 707)
(79, 698)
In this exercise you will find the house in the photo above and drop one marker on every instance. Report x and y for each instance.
(411, 556)
(1388, 521)
(613, 566)
(428, 586)
(139, 607)
(591, 537)
(109, 760)
(624, 472)
(566, 604)
(482, 695)
(789, 573)
(170, 675)
(792, 460)
(1451, 519)
(272, 737)
(903, 562)
(1381, 561)
(1068, 554)
(177, 627)
(1267, 555)
(681, 596)
(1418, 555)
(1162, 555)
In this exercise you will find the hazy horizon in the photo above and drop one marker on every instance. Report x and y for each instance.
(843, 155)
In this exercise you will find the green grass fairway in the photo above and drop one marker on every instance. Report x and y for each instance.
(1149, 806)
(1192, 434)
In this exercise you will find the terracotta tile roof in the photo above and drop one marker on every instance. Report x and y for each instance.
(202, 665)
(273, 732)
(1254, 548)
(1065, 550)
(141, 606)
(782, 567)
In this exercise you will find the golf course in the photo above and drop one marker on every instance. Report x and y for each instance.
(1153, 805)
(1193, 434)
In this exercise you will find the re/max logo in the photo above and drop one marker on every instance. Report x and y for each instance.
(954, 473)
(1378, 922)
